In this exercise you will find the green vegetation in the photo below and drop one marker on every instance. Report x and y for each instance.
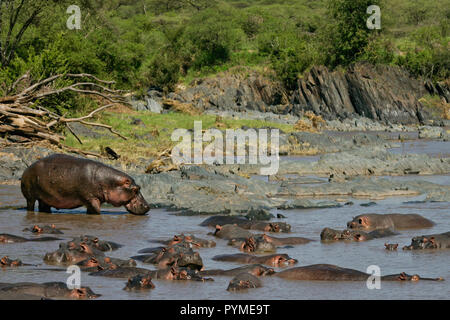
(161, 43)
(142, 43)
(152, 135)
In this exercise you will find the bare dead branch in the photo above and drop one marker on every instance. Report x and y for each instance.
(21, 116)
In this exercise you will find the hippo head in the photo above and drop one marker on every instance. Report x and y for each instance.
(7, 262)
(82, 293)
(37, 229)
(360, 222)
(259, 270)
(421, 242)
(240, 285)
(406, 277)
(190, 260)
(391, 246)
(281, 260)
(124, 191)
(328, 234)
(139, 282)
(249, 245)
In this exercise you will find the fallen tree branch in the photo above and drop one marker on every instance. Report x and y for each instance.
(22, 113)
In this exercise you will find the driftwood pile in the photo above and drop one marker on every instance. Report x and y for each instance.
(24, 119)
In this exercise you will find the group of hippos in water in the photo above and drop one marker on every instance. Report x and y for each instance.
(66, 182)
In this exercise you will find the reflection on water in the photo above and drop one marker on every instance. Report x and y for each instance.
(135, 233)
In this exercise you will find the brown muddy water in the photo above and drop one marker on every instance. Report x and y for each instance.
(136, 232)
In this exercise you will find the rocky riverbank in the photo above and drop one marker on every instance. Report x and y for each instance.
(347, 166)
(385, 94)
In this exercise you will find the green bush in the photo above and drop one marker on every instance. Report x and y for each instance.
(212, 35)
(347, 36)
(428, 54)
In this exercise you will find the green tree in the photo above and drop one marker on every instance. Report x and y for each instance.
(347, 35)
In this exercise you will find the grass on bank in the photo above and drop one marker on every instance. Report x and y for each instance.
(153, 133)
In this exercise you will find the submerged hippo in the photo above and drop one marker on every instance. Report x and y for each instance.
(44, 229)
(7, 262)
(101, 263)
(254, 269)
(123, 272)
(65, 182)
(96, 243)
(86, 250)
(247, 224)
(256, 244)
(432, 241)
(139, 282)
(244, 281)
(391, 246)
(180, 254)
(329, 234)
(374, 221)
(274, 260)
(286, 241)
(231, 231)
(46, 290)
(10, 238)
(328, 272)
(193, 240)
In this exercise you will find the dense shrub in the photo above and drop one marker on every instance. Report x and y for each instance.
(142, 43)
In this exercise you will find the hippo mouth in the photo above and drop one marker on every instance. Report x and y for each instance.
(137, 205)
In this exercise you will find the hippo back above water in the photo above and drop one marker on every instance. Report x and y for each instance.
(66, 182)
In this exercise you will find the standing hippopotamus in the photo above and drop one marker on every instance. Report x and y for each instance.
(66, 182)
(374, 221)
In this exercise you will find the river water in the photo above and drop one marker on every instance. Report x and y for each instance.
(137, 232)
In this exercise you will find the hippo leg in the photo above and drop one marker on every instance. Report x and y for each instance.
(30, 204)
(43, 207)
(93, 207)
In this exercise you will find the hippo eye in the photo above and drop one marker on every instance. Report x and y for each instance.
(360, 221)
(81, 292)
